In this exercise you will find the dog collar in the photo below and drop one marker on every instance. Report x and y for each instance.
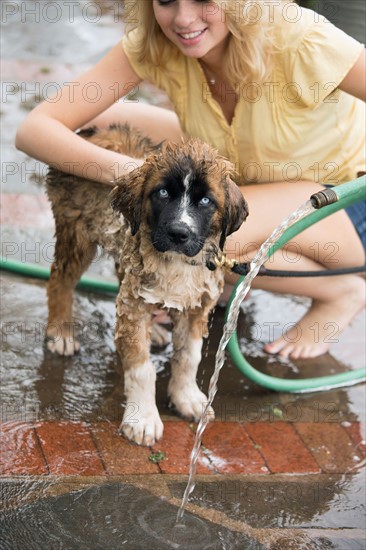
(220, 260)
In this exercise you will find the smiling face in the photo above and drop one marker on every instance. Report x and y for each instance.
(196, 27)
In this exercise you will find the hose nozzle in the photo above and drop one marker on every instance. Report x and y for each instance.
(323, 198)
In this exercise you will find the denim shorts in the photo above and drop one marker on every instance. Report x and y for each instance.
(357, 215)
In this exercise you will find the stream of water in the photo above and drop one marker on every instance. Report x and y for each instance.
(229, 328)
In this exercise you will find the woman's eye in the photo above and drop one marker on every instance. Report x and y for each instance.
(163, 193)
(205, 201)
(166, 2)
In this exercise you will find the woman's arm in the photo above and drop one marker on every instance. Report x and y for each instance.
(355, 81)
(47, 133)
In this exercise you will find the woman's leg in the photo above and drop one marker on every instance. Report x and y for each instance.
(155, 122)
(331, 243)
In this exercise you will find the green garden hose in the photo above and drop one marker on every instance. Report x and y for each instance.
(41, 272)
(347, 194)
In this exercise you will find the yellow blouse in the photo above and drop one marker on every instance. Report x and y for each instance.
(296, 125)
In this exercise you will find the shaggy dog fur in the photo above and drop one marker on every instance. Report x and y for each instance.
(163, 224)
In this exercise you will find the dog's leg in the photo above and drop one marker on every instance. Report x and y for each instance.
(73, 254)
(183, 391)
(141, 421)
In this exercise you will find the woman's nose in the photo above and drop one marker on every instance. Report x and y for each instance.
(187, 12)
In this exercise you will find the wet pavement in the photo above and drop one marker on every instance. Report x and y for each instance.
(276, 470)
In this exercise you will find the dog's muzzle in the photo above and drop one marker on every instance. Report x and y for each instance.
(177, 237)
(179, 233)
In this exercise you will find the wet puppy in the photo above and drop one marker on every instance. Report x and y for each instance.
(163, 223)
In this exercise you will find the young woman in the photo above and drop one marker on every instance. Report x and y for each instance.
(276, 89)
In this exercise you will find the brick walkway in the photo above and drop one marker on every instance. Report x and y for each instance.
(77, 448)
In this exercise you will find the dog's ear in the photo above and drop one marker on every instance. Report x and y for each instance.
(236, 210)
(127, 196)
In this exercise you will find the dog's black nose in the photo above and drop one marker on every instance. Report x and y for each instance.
(178, 233)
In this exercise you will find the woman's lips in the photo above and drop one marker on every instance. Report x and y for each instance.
(190, 38)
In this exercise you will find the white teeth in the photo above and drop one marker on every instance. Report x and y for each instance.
(191, 35)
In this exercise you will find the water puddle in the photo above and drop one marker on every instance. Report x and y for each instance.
(308, 512)
(113, 516)
(301, 512)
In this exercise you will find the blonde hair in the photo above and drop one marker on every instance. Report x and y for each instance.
(248, 56)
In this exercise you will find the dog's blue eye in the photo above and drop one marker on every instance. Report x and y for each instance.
(163, 193)
(205, 201)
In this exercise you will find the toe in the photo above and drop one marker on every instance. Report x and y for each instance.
(275, 347)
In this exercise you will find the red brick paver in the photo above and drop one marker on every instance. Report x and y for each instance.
(231, 451)
(357, 432)
(282, 448)
(176, 444)
(120, 457)
(331, 446)
(20, 451)
(75, 448)
(69, 449)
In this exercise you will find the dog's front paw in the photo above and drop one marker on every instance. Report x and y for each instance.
(62, 340)
(143, 426)
(190, 402)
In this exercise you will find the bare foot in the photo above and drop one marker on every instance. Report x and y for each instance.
(321, 325)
